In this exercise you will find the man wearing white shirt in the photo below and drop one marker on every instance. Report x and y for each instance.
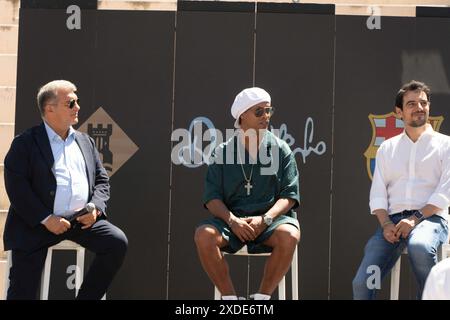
(410, 194)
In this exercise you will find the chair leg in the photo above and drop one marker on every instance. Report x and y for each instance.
(45, 279)
(282, 284)
(79, 271)
(7, 270)
(217, 295)
(395, 279)
(294, 273)
(282, 289)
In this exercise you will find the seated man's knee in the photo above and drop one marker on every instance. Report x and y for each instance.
(120, 243)
(287, 236)
(420, 248)
(205, 235)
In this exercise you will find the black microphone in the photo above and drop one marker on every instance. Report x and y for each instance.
(90, 207)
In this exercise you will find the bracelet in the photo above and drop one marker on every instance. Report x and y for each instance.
(230, 220)
(386, 223)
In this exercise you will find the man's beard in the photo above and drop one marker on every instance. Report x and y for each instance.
(420, 122)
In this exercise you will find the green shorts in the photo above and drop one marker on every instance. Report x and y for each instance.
(255, 246)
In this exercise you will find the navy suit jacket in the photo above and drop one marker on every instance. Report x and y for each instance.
(31, 185)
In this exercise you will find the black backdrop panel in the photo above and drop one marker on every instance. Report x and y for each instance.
(433, 66)
(133, 84)
(214, 61)
(368, 76)
(49, 51)
(128, 72)
(296, 67)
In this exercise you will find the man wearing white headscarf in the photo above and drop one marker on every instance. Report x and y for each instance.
(251, 189)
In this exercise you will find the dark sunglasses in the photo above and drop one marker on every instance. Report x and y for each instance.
(72, 103)
(268, 110)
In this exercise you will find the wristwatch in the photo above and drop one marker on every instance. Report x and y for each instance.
(419, 215)
(267, 219)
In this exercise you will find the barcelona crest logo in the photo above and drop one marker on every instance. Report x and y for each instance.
(384, 127)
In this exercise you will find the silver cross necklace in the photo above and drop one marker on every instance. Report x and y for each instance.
(248, 185)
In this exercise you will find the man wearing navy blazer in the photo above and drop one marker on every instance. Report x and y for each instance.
(51, 172)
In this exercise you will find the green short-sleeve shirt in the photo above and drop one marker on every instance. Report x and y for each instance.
(274, 176)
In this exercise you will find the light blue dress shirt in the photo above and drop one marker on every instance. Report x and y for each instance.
(69, 168)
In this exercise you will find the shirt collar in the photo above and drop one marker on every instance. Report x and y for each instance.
(428, 131)
(53, 136)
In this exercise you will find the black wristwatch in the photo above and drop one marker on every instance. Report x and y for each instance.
(419, 215)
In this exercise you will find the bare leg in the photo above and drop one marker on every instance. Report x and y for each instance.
(283, 241)
(209, 241)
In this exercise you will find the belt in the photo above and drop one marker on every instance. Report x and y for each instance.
(405, 212)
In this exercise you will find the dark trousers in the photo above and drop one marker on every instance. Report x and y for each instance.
(108, 242)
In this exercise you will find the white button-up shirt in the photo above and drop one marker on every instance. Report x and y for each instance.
(69, 168)
(409, 175)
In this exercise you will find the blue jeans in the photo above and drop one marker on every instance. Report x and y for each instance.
(422, 243)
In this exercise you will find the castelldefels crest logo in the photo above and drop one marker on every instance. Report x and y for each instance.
(114, 146)
(384, 127)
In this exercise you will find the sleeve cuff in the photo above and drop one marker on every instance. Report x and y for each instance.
(45, 220)
(378, 203)
(292, 196)
(439, 200)
(211, 197)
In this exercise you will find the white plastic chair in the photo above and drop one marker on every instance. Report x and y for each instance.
(395, 276)
(443, 253)
(45, 279)
(282, 284)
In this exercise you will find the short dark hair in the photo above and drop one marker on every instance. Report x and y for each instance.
(413, 85)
